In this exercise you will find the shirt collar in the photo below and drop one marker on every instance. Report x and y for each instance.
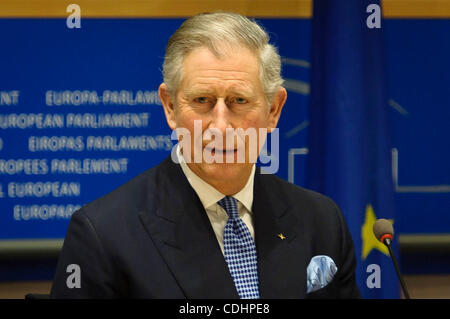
(208, 194)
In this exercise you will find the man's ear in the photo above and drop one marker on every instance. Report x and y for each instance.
(168, 105)
(275, 109)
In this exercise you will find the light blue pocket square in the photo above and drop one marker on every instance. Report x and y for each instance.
(320, 272)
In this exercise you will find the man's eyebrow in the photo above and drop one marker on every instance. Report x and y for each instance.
(242, 91)
(205, 90)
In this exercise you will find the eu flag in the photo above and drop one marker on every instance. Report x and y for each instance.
(349, 149)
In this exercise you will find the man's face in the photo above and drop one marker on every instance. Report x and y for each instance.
(223, 94)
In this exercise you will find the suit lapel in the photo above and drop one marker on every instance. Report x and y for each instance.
(280, 244)
(180, 229)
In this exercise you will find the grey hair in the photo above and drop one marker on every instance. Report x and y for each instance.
(217, 31)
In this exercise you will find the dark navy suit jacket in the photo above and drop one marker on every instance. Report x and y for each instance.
(151, 238)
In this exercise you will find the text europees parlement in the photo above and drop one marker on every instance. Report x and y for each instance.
(86, 166)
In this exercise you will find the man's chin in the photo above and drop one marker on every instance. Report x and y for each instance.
(222, 172)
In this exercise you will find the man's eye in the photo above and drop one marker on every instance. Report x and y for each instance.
(240, 100)
(201, 100)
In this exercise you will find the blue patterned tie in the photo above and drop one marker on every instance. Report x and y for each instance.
(240, 251)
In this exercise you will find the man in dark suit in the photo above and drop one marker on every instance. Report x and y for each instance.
(217, 227)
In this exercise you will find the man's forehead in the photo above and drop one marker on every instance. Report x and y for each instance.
(211, 88)
(242, 63)
(237, 72)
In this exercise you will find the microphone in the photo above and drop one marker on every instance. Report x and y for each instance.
(384, 232)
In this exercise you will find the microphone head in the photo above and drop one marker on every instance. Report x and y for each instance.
(382, 228)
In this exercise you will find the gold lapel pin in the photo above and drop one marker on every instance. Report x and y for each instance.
(282, 237)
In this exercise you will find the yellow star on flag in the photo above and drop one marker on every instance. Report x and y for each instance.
(369, 241)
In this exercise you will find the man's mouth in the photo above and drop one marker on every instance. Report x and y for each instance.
(213, 150)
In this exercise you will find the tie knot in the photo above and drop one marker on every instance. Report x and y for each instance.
(230, 205)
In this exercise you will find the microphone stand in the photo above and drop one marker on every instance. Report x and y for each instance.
(388, 242)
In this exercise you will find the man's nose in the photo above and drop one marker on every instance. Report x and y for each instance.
(220, 117)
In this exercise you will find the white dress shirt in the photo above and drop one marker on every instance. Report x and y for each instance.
(209, 196)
